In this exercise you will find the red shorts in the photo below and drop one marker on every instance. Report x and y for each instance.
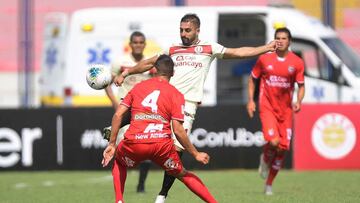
(162, 153)
(273, 128)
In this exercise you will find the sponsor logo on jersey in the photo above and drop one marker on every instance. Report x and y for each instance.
(269, 67)
(333, 136)
(149, 117)
(277, 81)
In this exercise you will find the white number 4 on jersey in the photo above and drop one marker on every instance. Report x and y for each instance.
(151, 100)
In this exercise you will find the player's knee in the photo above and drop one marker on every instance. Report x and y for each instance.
(274, 142)
(281, 151)
(180, 174)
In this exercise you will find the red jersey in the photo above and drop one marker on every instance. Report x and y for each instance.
(278, 76)
(154, 103)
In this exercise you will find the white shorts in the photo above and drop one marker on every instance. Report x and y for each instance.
(189, 111)
(121, 133)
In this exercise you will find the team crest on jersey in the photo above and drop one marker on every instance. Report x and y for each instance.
(198, 49)
(291, 69)
(269, 67)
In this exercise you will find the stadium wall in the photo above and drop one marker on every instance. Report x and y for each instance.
(70, 138)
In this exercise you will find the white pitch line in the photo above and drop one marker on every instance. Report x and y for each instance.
(20, 185)
(48, 183)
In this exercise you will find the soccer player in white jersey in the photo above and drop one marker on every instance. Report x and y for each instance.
(137, 45)
(192, 60)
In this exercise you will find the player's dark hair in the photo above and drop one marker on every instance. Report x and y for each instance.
(136, 34)
(191, 17)
(283, 29)
(164, 65)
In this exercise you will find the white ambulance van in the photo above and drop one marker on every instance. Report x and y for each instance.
(99, 35)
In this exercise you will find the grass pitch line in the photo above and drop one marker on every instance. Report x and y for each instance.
(48, 183)
(21, 185)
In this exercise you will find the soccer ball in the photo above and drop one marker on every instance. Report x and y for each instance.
(98, 76)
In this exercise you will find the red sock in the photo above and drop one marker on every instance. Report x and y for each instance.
(196, 186)
(275, 166)
(269, 153)
(119, 177)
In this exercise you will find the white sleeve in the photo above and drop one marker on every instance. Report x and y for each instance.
(218, 50)
(115, 67)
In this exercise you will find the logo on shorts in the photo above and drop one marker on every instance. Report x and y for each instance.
(271, 132)
(198, 49)
(288, 133)
(333, 136)
(128, 161)
(170, 164)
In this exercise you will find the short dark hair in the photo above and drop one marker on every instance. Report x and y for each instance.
(191, 17)
(136, 34)
(164, 65)
(283, 29)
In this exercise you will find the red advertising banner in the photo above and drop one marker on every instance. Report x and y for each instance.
(326, 137)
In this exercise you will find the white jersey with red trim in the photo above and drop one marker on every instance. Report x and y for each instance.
(125, 62)
(192, 65)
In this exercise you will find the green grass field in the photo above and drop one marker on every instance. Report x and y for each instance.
(231, 186)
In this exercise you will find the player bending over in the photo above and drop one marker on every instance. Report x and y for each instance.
(155, 106)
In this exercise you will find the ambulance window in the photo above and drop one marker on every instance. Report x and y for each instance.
(237, 30)
(317, 65)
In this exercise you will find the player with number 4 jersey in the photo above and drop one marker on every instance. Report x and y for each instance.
(156, 106)
(151, 113)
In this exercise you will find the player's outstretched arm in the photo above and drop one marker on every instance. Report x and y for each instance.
(182, 137)
(140, 67)
(251, 106)
(109, 151)
(245, 52)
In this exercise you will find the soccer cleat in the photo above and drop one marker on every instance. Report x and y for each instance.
(106, 133)
(160, 199)
(263, 167)
(268, 190)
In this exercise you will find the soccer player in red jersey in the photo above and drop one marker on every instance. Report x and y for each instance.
(278, 72)
(155, 107)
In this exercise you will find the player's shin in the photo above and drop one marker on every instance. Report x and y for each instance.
(276, 165)
(119, 177)
(143, 170)
(197, 186)
(269, 153)
(168, 181)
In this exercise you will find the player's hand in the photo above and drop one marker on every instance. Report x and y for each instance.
(272, 46)
(118, 80)
(296, 107)
(202, 157)
(108, 154)
(251, 107)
